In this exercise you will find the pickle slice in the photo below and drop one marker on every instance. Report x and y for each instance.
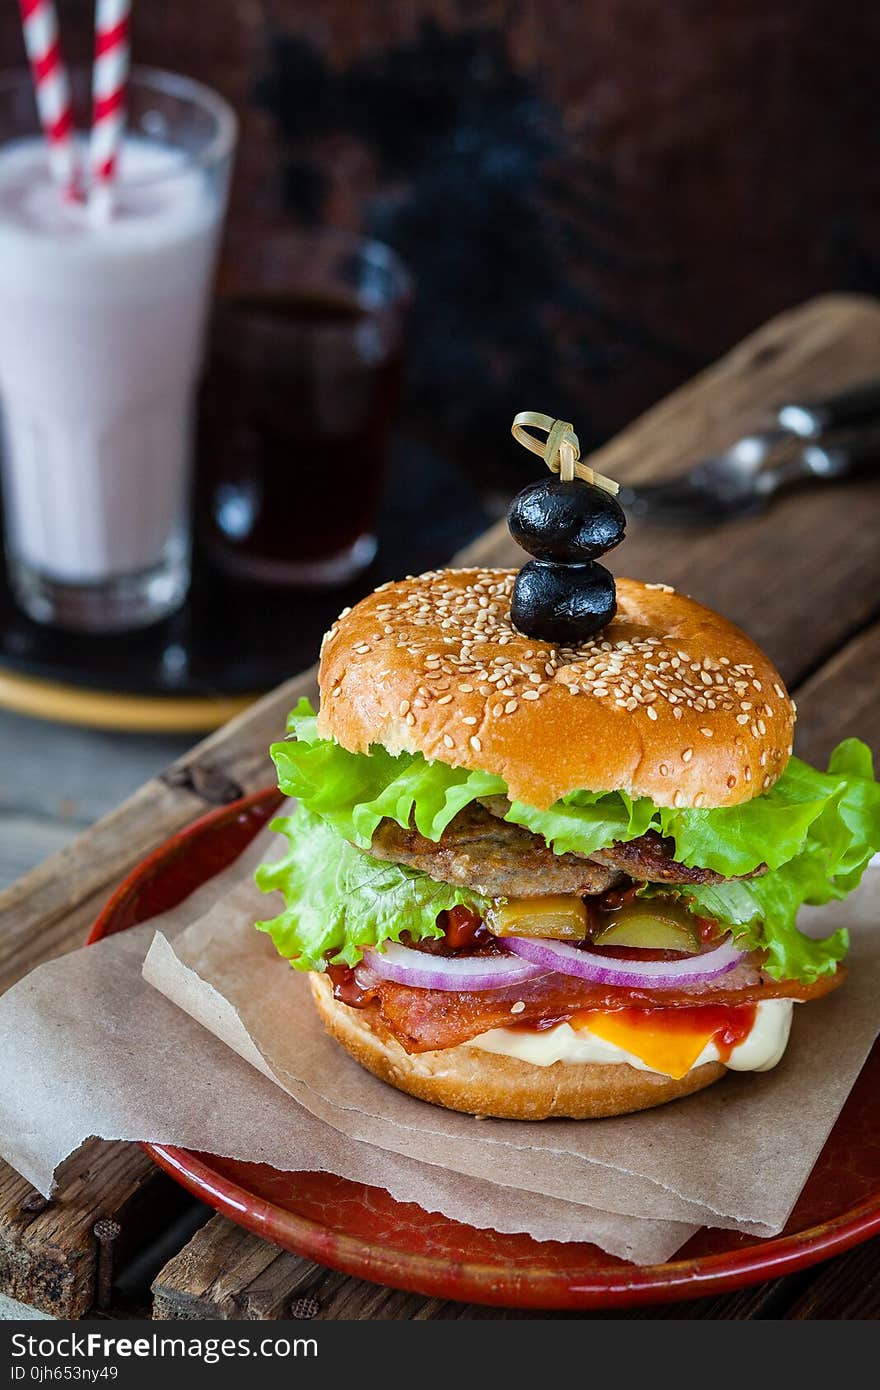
(559, 916)
(648, 926)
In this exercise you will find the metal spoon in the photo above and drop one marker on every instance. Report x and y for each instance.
(745, 477)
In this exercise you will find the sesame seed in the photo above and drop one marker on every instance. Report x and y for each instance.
(404, 706)
(650, 711)
(469, 719)
(449, 741)
(779, 690)
(445, 700)
(511, 707)
(748, 774)
(518, 1008)
(531, 695)
(742, 719)
(475, 743)
(678, 799)
(706, 731)
(731, 781)
(664, 769)
(767, 781)
(687, 754)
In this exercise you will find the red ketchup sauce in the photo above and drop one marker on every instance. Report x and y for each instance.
(462, 927)
(346, 988)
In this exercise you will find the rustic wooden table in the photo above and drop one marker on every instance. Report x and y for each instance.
(803, 579)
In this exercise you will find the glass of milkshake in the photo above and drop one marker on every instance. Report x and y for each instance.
(102, 325)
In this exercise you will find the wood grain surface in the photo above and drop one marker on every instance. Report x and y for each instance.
(803, 578)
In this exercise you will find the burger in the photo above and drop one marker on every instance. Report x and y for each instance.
(531, 879)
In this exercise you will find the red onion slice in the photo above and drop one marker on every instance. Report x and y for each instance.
(604, 970)
(424, 971)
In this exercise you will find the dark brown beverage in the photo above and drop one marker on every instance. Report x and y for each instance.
(300, 393)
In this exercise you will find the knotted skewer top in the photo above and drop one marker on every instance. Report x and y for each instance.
(560, 451)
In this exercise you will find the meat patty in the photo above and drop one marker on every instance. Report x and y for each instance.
(493, 857)
(649, 858)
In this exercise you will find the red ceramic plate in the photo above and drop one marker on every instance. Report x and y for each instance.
(363, 1231)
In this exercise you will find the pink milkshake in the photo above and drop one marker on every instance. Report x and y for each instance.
(101, 332)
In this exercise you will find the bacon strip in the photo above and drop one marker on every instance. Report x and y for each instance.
(425, 1020)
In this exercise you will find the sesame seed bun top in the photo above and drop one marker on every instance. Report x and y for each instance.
(669, 701)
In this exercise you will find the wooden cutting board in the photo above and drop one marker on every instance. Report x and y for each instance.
(803, 579)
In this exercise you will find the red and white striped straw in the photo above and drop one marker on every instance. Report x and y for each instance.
(109, 86)
(52, 89)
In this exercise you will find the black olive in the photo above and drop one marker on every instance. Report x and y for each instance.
(562, 603)
(573, 521)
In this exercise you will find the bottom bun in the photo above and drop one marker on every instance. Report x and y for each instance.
(485, 1083)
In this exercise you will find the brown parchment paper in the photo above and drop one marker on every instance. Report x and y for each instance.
(736, 1155)
(88, 1048)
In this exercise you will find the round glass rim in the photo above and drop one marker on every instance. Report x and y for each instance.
(219, 147)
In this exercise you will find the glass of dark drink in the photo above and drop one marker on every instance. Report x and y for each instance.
(301, 390)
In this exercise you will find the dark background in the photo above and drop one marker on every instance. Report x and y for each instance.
(597, 198)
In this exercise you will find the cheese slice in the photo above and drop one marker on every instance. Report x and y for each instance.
(671, 1052)
(759, 1051)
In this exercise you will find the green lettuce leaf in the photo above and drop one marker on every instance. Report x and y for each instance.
(339, 900)
(839, 844)
(816, 831)
(354, 792)
(762, 913)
